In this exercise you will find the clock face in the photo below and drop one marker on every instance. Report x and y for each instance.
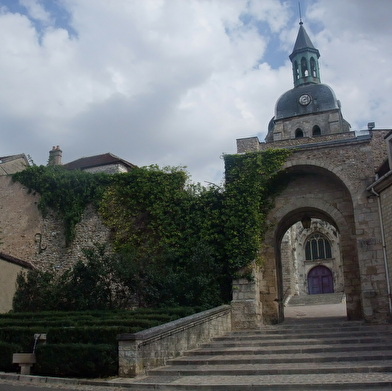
(304, 99)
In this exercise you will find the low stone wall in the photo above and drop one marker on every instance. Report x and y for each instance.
(151, 348)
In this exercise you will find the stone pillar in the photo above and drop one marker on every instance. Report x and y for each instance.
(246, 306)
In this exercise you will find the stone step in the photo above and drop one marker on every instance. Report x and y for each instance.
(291, 327)
(310, 355)
(301, 342)
(312, 334)
(368, 349)
(250, 369)
(319, 382)
(292, 359)
(310, 327)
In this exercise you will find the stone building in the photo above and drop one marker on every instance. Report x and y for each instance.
(10, 268)
(381, 189)
(325, 233)
(107, 163)
(14, 163)
(312, 260)
(30, 240)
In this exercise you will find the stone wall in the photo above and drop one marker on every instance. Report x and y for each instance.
(252, 144)
(153, 347)
(107, 169)
(386, 210)
(29, 236)
(20, 219)
(329, 122)
(246, 306)
(54, 253)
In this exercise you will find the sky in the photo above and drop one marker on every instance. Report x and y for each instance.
(176, 82)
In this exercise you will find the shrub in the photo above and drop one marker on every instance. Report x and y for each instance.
(76, 360)
(21, 336)
(88, 335)
(6, 352)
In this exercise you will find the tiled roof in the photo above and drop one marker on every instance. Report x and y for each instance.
(303, 42)
(16, 261)
(96, 161)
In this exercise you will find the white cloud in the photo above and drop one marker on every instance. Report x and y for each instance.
(174, 82)
(36, 11)
(355, 44)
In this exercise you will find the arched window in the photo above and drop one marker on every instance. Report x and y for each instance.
(299, 133)
(317, 247)
(316, 130)
(304, 67)
(313, 71)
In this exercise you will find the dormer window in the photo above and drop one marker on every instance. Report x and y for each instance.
(299, 133)
(316, 131)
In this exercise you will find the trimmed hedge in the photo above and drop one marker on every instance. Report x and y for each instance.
(79, 344)
(22, 336)
(76, 360)
(148, 321)
(44, 323)
(88, 335)
(6, 352)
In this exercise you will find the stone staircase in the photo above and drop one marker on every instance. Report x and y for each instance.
(327, 354)
(326, 298)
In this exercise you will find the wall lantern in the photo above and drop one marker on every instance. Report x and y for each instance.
(306, 221)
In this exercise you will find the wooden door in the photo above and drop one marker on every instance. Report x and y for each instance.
(320, 280)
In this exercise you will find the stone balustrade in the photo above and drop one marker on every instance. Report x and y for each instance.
(150, 348)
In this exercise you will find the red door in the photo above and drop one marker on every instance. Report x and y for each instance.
(320, 280)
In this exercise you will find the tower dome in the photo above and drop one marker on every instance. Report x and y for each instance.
(310, 108)
(306, 99)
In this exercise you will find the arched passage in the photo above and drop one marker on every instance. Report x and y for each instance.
(316, 193)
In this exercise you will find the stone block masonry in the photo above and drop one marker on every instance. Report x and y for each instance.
(29, 236)
(153, 347)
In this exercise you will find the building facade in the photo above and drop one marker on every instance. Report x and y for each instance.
(325, 234)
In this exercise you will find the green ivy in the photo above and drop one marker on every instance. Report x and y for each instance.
(252, 182)
(66, 192)
(182, 242)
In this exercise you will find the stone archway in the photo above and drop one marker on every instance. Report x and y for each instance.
(319, 194)
(323, 185)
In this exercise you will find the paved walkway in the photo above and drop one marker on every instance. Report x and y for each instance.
(313, 312)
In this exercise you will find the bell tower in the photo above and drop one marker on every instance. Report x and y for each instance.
(310, 109)
(305, 59)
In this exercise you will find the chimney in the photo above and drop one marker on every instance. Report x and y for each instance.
(371, 125)
(55, 156)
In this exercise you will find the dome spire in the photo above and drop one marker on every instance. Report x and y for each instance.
(304, 59)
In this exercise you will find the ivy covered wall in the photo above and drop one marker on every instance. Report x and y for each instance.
(183, 240)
